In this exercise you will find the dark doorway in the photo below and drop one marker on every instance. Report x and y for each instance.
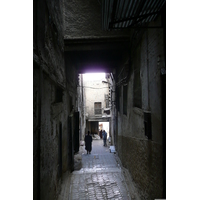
(94, 127)
(70, 144)
(76, 132)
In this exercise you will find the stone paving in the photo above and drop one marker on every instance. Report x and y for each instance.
(100, 177)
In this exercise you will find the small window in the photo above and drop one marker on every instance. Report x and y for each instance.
(137, 93)
(59, 94)
(97, 108)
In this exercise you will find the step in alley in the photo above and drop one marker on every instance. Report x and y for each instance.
(100, 176)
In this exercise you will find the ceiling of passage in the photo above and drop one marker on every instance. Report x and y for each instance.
(100, 54)
(105, 54)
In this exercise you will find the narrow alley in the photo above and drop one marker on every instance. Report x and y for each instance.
(101, 176)
(121, 44)
(73, 71)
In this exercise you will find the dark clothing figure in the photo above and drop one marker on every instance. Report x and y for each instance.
(100, 134)
(104, 134)
(88, 142)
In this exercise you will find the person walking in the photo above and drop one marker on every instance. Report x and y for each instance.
(100, 134)
(88, 142)
(104, 135)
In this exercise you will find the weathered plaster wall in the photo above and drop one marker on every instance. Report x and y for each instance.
(48, 38)
(83, 19)
(141, 156)
(48, 146)
(82, 124)
(144, 162)
(94, 91)
(52, 115)
(36, 130)
(52, 99)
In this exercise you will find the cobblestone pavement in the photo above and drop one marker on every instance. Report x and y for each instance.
(101, 177)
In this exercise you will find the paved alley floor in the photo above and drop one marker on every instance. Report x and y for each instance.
(99, 177)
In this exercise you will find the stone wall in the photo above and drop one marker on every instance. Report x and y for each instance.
(141, 155)
(82, 123)
(53, 95)
(48, 38)
(84, 19)
(54, 152)
(36, 131)
(143, 158)
(49, 139)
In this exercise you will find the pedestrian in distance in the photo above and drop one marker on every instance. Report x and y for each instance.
(88, 142)
(104, 135)
(100, 134)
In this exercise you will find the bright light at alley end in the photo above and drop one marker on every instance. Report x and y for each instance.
(94, 76)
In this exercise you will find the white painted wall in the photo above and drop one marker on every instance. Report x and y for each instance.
(94, 91)
(105, 127)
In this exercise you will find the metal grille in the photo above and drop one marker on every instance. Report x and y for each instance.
(119, 14)
(97, 108)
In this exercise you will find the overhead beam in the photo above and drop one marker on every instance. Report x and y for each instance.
(96, 43)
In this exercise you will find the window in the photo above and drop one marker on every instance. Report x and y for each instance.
(59, 94)
(97, 108)
(137, 101)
